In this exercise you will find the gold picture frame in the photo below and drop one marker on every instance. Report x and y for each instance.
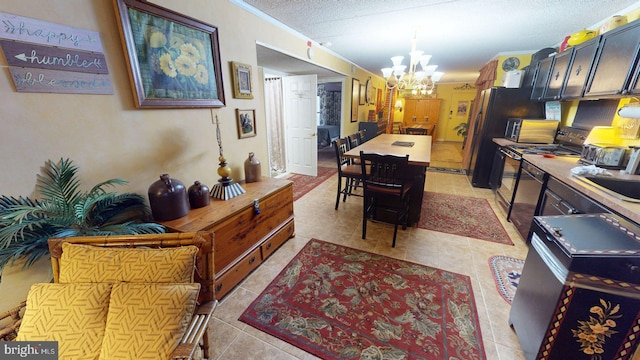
(246, 121)
(242, 86)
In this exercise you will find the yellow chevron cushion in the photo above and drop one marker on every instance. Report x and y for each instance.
(147, 321)
(86, 263)
(75, 315)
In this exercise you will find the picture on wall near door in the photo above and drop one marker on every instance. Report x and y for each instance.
(355, 98)
(463, 106)
(241, 74)
(246, 120)
(174, 60)
(361, 97)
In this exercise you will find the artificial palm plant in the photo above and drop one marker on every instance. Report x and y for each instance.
(64, 211)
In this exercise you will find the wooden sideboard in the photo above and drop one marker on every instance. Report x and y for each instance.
(243, 239)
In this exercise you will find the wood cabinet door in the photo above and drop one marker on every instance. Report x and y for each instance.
(558, 75)
(613, 67)
(578, 71)
(542, 79)
(421, 111)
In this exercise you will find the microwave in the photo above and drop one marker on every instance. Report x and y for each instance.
(535, 131)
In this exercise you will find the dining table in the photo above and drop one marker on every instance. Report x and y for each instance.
(418, 147)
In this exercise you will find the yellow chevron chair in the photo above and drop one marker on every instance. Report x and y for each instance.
(126, 297)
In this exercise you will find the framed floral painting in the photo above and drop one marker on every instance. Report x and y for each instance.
(174, 60)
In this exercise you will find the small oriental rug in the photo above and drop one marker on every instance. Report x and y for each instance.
(302, 184)
(461, 215)
(337, 302)
(506, 272)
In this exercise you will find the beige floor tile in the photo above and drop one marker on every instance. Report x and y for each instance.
(315, 217)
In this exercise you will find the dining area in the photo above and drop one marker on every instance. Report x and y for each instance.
(388, 172)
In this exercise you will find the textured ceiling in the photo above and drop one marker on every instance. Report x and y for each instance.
(461, 35)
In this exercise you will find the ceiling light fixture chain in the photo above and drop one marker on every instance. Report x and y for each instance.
(420, 81)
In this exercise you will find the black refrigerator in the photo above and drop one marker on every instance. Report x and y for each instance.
(498, 105)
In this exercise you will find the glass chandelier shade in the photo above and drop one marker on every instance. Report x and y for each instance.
(420, 80)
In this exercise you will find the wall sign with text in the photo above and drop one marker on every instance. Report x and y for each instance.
(52, 58)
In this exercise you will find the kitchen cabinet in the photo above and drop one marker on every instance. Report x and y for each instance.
(615, 62)
(421, 111)
(542, 79)
(579, 67)
(244, 237)
(557, 75)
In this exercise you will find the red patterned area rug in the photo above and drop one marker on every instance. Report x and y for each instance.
(337, 302)
(302, 184)
(461, 215)
(506, 273)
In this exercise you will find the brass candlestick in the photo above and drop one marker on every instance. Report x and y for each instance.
(225, 189)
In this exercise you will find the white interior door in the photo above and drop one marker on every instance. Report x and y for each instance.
(300, 118)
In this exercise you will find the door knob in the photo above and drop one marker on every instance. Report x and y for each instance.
(313, 134)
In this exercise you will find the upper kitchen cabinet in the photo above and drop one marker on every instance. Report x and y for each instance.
(578, 71)
(542, 79)
(557, 75)
(615, 62)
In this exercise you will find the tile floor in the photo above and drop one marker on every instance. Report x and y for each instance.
(315, 217)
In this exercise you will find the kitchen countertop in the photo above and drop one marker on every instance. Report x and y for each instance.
(560, 168)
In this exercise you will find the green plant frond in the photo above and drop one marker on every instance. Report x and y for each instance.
(59, 183)
(31, 252)
(100, 188)
(64, 211)
(132, 228)
(120, 208)
(7, 203)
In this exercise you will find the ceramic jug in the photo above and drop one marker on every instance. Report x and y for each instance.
(252, 169)
(168, 199)
(198, 195)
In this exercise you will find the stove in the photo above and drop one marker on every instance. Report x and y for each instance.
(554, 149)
(520, 183)
(568, 143)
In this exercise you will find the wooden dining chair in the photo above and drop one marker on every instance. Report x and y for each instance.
(347, 170)
(362, 136)
(415, 131)
(386, 185)
(396, 127)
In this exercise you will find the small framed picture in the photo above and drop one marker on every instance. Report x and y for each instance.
(246, 120)
(361, 97)
(241, 74)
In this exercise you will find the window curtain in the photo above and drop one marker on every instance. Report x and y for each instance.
(330, 106)
(275, 122)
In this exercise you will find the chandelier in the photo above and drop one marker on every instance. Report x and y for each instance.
(422, 81)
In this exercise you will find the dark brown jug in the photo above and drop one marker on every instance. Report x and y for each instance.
(198, 195)
(168, 199)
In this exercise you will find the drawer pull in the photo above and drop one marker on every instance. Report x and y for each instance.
(218, 287)
(252, 260)
(633, 268)
(269, 246)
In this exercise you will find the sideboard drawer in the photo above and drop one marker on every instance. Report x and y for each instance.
(243, 231)
(227, 281)
(277, 239)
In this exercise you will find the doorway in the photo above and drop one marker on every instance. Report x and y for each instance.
(286, 154)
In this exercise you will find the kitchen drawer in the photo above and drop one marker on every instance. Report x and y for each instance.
(277, 239)
(227, 281)
(240, 233)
